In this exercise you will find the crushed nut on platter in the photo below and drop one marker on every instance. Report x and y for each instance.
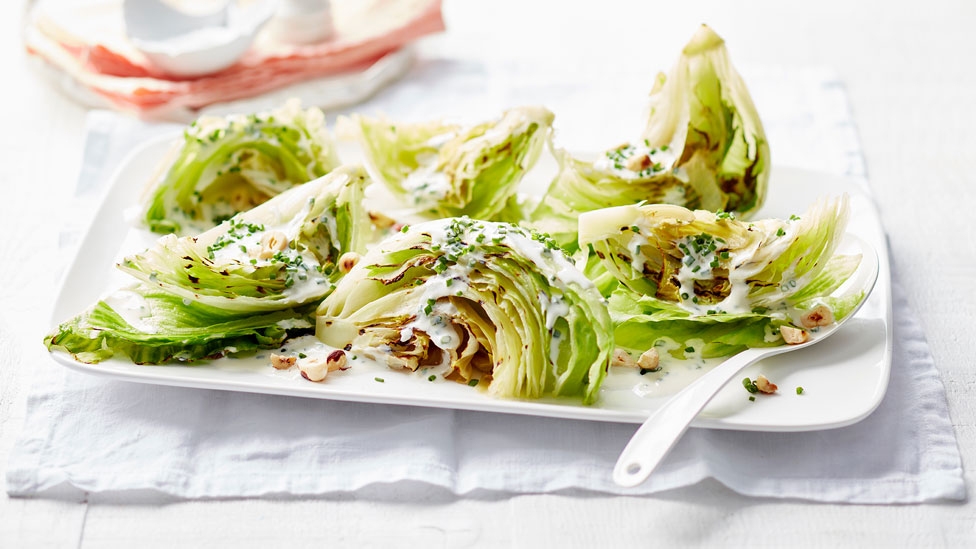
(765, 386)
(622, 358)
(316, 368)
(282, 362)
(649, 360)
(793, 336)
(821, 315)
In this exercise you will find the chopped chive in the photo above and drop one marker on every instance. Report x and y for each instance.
(780, 232)
(381, 380)
(473, 382)
(752, 398)
(635, 228)
(799, 390)
(432, 378)
(689, 349)
(684, 295)
(302, 355)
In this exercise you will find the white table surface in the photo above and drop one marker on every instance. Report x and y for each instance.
(909, 72)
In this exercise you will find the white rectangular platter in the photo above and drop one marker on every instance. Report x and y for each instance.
(859, 355)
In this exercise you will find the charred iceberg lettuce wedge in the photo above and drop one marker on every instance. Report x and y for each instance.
(445, 170)
(716, 285)
(239, 286)
(227, 165)
(167, 328)
(703, 147)
(480, 302)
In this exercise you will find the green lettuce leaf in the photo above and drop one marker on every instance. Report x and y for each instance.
(171, 330)
(226, 165)
(444, 170)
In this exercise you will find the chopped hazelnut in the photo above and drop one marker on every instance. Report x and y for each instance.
(622, 358)
(336, 360)
(282, 362)
(649, 360)
(347, 261)
(819, 316)
(765, 386)
(793, 336)
(272, 242)
(316, 368)
(637, 163)
(313, 368)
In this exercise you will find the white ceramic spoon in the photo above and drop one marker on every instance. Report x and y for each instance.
(662, 430)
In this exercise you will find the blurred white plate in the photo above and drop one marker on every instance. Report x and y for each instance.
(843, 380)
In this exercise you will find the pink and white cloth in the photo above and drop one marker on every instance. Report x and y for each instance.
(85, 41)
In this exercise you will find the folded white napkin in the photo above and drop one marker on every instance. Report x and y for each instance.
(88, 434)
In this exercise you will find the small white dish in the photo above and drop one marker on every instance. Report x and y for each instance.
(844, 380)
(186, 45)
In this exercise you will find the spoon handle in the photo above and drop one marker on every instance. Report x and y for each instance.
(661, 431)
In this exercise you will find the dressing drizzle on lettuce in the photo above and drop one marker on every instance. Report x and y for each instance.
(476, 301)
(445, 170)
(732, 284)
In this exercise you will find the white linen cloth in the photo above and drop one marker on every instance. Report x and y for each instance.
(87, 434)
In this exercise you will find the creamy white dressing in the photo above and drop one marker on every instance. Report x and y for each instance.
(636, 247)
(427, 185)
(553, 309)
(435, 314)
(623, 385)
(299, 347)
(133, 308)
(307, 281)
(741, 264)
